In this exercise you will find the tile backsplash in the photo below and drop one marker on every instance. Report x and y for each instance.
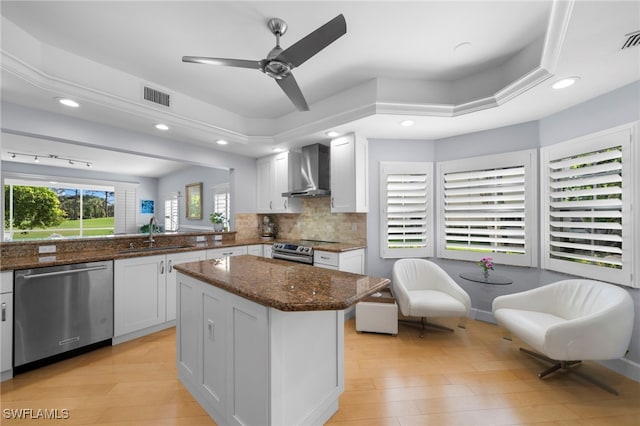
(315, 222)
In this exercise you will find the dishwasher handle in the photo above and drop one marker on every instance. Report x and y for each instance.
(70, 271)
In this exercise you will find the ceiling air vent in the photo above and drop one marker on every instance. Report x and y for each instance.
(156, 96)
(633, 39)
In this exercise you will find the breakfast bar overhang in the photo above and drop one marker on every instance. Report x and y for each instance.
(261, 341)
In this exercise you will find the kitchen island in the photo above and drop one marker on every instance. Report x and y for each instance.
(261, 341)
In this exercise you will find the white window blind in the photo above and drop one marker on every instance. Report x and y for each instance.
(171, 215)
(221, 201)
(587, 206)
(405, 218)
(485, 203)
(125, 210)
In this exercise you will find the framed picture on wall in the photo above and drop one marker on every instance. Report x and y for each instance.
(147, 206)
(194, 200)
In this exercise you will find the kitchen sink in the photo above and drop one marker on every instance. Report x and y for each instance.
(148, 249)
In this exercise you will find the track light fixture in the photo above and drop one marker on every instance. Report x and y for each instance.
(36, 158)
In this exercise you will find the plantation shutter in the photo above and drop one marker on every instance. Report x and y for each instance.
(125, 210)
(221, 201)
(405, 218)
(485, 210)
(587, 208)
(487, 206)
(171, 215)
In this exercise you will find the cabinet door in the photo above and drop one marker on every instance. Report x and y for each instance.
(213, 383)
(266, 250)
(349, 174)
(6, 331)
(247, 362)
(255, 249)
(343, 175)
(187, 328)
(172, 260)
(139, 293)
(265, 191)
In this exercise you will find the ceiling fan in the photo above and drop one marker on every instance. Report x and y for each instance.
(279, 62)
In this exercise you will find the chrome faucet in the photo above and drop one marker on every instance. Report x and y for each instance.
(150, 240)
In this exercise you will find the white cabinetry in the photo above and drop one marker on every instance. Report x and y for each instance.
(255, 249)
(347, 261)
(349, 174)
(222, 352)
(6, 324)
(243, 362)
(266, 250)
(172, 260)
(226, 252)
(144, 293)
(277, 174)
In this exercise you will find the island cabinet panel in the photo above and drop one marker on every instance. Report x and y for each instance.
(6, 325)
(248, 364)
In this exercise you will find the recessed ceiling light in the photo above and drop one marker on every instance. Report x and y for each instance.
(221, 142)
(407, 123)
(565, 82)
(332, 133)
(276, 149)
(161, 126)
(68, 102)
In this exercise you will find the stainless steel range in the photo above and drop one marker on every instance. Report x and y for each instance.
(296, 251)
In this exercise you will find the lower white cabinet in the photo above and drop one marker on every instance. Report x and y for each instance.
(222, 352)
(255, 249)
(172, 260)
(346, 261)
(144, 293)
(247, 364)
(266, 250)
(6, 324)
(226, 252)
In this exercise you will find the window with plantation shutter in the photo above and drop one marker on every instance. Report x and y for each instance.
(171, 215)
(587, 206)
(125, 210)
(221, 202)
(405, 213)
(487, 206)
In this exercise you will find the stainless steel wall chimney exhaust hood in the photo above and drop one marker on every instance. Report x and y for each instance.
(316, 173)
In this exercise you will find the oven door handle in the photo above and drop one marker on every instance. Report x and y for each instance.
(293, 257)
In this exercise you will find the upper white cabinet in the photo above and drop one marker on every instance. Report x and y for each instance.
(349, 174)
(277, 174)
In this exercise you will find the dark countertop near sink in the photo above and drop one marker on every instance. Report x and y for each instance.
(283, 285)
(22, 261)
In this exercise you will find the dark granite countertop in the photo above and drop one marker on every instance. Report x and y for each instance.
(27, 260)
(284, 285)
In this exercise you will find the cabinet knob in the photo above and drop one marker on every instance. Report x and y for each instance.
(161, 267)
(170, 265)
(270, 205)
(4, 311)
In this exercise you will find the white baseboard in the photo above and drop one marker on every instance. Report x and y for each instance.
(145, 331)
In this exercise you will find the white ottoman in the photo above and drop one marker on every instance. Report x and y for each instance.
(378, 313)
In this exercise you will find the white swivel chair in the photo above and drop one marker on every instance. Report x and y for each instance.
(569, 321)
(423, 289)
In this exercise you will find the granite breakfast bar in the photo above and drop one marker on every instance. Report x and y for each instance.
(261, 341)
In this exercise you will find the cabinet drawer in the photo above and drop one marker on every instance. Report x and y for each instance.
(325, 258)
(6, 282)
(226, 252)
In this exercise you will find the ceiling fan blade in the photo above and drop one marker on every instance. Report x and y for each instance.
(314, 42)
(292, 90)
(241, 63)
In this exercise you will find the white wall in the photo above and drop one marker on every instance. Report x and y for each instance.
(176, 181)
(29, 121)
(612, 109)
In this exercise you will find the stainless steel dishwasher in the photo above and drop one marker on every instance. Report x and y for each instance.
(60, 309)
